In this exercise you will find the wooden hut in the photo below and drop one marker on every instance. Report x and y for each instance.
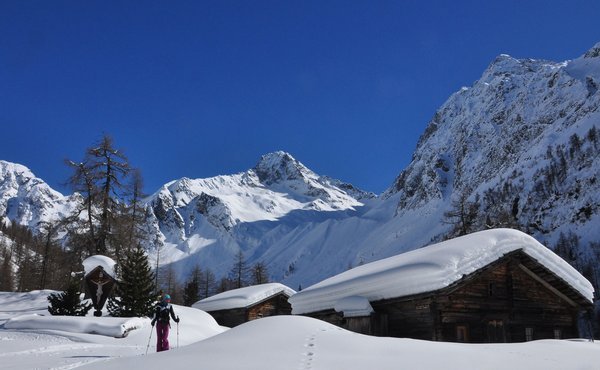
(237, 306)
(493, 286)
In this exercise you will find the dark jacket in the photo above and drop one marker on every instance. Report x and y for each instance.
(162, 312)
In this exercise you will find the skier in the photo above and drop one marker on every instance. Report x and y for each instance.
(161, 317)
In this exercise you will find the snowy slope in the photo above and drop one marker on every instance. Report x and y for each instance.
(283, 342)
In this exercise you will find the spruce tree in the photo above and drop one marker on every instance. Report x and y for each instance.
(134, 294)
(68, 303)
(192, 287)
(6, 283)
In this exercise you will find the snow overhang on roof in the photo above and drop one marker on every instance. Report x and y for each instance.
(354, 306)
(107, 263)
(243, 297)
(431, 268)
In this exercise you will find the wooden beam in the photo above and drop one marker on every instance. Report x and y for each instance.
(548, 286)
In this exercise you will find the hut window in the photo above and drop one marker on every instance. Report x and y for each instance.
(462, 334)
(528, 334)
(491, 289)
(557, 333)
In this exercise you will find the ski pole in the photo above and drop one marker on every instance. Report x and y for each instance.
(149, 338)
(178, 332)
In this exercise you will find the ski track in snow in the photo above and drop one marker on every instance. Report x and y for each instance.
(60, 353)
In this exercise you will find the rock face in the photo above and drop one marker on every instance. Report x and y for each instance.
(504, 122)
(519, 147)
(26, 199)
(526, 126)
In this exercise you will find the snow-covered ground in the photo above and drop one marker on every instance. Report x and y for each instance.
(31, 339)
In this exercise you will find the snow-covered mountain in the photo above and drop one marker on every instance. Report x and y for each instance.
(519, 147)
(519, 143)
(207, 221)
(522, 137)
(28, 200)
(276, 186)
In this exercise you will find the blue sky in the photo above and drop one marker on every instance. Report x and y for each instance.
(204, 88)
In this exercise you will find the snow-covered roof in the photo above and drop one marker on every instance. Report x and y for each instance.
(432, 268)
(107, 263)
(243, 297)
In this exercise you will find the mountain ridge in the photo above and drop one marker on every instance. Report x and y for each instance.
(519, 147)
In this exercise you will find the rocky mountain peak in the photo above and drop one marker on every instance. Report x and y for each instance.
(594, 52)
(24, 198)
(14, 172)
(502, 64)
(505, 66)
(280, 166)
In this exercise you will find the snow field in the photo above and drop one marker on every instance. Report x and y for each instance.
(280, 343)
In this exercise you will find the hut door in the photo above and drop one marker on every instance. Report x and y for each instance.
(495, 331)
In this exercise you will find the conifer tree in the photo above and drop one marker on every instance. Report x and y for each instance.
(592, 136)
(6, 282)
(68, 303)
(192, 287)
(134, 294)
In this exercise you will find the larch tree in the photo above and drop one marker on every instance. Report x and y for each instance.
(110, 167)
(463, 215)
(259, 274)
(239, 271)
(208, 284)
(110, 214)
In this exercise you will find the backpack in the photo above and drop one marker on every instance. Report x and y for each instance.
(163, 313)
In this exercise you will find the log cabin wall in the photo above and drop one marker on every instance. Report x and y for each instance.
(375, 324)
(511, 300)
(276, 305)
(229, 318)
(506, 302)
(413, 318)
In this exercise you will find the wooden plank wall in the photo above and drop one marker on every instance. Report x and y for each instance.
(507, 294)
(277, 305)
